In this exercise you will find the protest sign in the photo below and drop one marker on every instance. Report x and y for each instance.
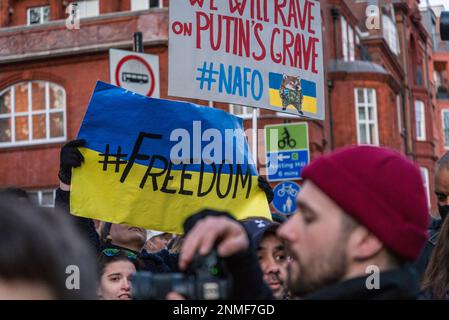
(152, 162)
(260, 53)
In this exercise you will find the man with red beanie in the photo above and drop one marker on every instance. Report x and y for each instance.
(362, 218)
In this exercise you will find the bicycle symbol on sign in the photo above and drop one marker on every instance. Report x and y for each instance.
(287, 140)
(287, 189)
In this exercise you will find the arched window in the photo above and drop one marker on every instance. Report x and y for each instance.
(390, 34)
(32, 112)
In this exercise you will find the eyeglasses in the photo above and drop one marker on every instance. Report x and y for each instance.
(112, 252)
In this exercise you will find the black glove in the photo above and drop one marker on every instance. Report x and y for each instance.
(265, 186)
(70, 158)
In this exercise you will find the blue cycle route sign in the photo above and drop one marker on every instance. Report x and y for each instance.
(287, 150)
(284, 200)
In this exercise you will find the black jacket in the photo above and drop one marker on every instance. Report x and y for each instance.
(397, 284)
(433, 234)
(85, 226)
(159, 262)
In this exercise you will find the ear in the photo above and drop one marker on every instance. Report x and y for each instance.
(363, 245)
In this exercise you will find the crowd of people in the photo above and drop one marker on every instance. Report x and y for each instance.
(362, 231)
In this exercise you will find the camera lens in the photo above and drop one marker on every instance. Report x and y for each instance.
(148, 286)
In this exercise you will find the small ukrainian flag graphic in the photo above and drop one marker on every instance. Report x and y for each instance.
(308, 91)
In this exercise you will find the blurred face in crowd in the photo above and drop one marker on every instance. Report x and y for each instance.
(25, 290)
(158, 243)
(127, 236)
(315, 241)
(115, 282)
(442, 189)
(273, 262)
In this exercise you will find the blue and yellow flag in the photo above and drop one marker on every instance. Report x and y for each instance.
(153, 162)
(308, 89)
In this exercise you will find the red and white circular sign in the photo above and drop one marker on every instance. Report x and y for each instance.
(135, 74)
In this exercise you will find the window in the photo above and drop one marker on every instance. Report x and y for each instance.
(347, 40)
(32, 112)
(44, 198)
(242, 111)
(425, 178)
(445, 114)
(437, 78)
(390, 34)
(420, 121)
(366, 116)
(87, 8)
(351, 44)
(435, 37)
(344, 37)
(38, 15)
(145, 4)
(441, 86)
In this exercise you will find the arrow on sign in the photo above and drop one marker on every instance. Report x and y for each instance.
(282, 157)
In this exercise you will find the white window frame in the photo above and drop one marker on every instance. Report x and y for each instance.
(420, 126)
(41, 15)
(425, 178)
(245, 115)
(83, 6)
(367, 122)
(391, 34)
(29, 113)
(351, 46)
(137, 5)
(39, 197)
(344, 38)
(446, 143)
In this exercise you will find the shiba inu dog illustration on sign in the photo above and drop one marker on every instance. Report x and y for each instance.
(292, 92)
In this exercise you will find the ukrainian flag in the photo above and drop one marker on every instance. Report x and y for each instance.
(132, 173)
(308, 90)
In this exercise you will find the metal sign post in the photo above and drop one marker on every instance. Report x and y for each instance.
(255, 136)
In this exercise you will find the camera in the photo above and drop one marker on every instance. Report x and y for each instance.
(205, 279)
(444, 26)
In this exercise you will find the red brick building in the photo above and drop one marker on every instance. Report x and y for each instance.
(439, 74)
(378, 76)
(379, 91)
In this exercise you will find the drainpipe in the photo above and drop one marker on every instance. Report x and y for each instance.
(335, 14)
(427, 71)
(408, 94)
(331, 118)
(404, 120)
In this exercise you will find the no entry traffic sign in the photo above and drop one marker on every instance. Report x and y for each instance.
(137, 72)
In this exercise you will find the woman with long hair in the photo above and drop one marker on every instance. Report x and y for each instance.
(436, 277)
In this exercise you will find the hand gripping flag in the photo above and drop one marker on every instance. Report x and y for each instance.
(153, 162)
